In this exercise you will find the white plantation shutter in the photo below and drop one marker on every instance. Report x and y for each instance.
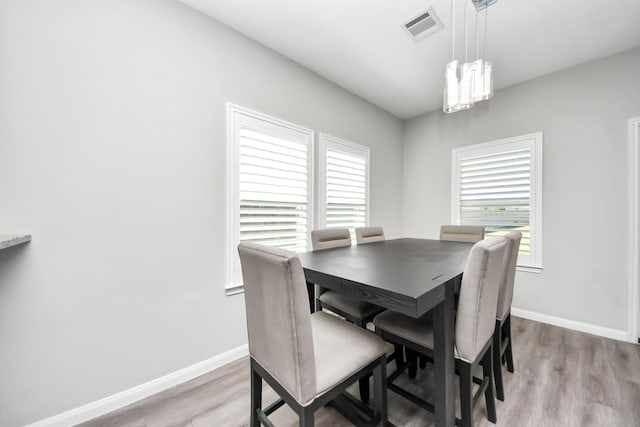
(495, 193)
(271, 184)
(344, 184)
(274, 190)
(496, 186)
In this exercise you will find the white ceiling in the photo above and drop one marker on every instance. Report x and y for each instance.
(360, 45)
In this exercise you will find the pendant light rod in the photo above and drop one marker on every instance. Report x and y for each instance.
(484, 37)
(453, 29)
(466, 32)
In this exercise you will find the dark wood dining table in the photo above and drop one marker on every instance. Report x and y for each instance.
(409, 276)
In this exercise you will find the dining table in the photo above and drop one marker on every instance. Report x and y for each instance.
(409, 276)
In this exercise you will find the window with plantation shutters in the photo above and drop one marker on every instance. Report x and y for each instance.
(343, 184)
(271, 196)
(498, 185)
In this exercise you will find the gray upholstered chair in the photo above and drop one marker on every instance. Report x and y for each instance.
(369, 235)
(473, 329)
(299, 358)
(462, 233)
(354, 310)
(502, 333)
(451, 233)
(374, 234)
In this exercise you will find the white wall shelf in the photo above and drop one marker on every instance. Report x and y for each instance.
(9, 240)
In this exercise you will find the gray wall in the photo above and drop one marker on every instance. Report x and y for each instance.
(112, 154)
(583, 113)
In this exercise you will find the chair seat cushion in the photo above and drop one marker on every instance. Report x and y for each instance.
(351, 306)
(341, 349)
(419, 331)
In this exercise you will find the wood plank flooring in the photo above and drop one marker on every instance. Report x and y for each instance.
(562, 378)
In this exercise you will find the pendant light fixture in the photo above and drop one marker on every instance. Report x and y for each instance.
(468, 82)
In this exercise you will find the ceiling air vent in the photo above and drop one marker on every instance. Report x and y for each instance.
(423, 25)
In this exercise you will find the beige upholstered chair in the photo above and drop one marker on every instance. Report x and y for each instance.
(298, 359)
(502, 333)
(354, 310)
(456, 233)
(462, 233)
(369, 235)
(374, 234)
(328, 238)
(473, 330)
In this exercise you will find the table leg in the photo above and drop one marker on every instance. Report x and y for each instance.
(444, 365)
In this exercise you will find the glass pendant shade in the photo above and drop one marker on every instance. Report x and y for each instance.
(466, 85)
(482, 80)
(458, 86)
(451, 102)
(488, 80)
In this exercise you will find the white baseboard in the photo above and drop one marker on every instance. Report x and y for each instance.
(601, 331)
(132, 395)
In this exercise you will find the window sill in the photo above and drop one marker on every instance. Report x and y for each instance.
(535, 270)
(234, 290)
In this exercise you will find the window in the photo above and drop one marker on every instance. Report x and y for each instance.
(499, 185)
(343, 184)
(271, 185)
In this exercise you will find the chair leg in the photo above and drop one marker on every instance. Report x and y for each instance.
(256, 397)
(508, 352)
(317, 290)
(466, 395)
(412, 358)
(487, 367)
(497, 367)
(422, 361)
(306, 417)
(363, 384)
(398, 352)
(380, 392)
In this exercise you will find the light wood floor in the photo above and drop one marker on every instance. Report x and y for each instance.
(562, 378)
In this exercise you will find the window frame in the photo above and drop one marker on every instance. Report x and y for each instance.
(234, 283)
(533, 262)
(328, 142)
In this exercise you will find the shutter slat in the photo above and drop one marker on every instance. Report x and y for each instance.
(253, 158)
(273, 140)
(485, 172)
(484, 158)
(496, 177)
(266, 147)
(495, 183)
(502, 164)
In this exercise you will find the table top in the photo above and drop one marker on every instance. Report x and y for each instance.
(405, 275)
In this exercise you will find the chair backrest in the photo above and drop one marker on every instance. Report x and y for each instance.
(478, 300)
(505, 296)
(328, 238)
(462, 233)
(278, 317)
(369, 234)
